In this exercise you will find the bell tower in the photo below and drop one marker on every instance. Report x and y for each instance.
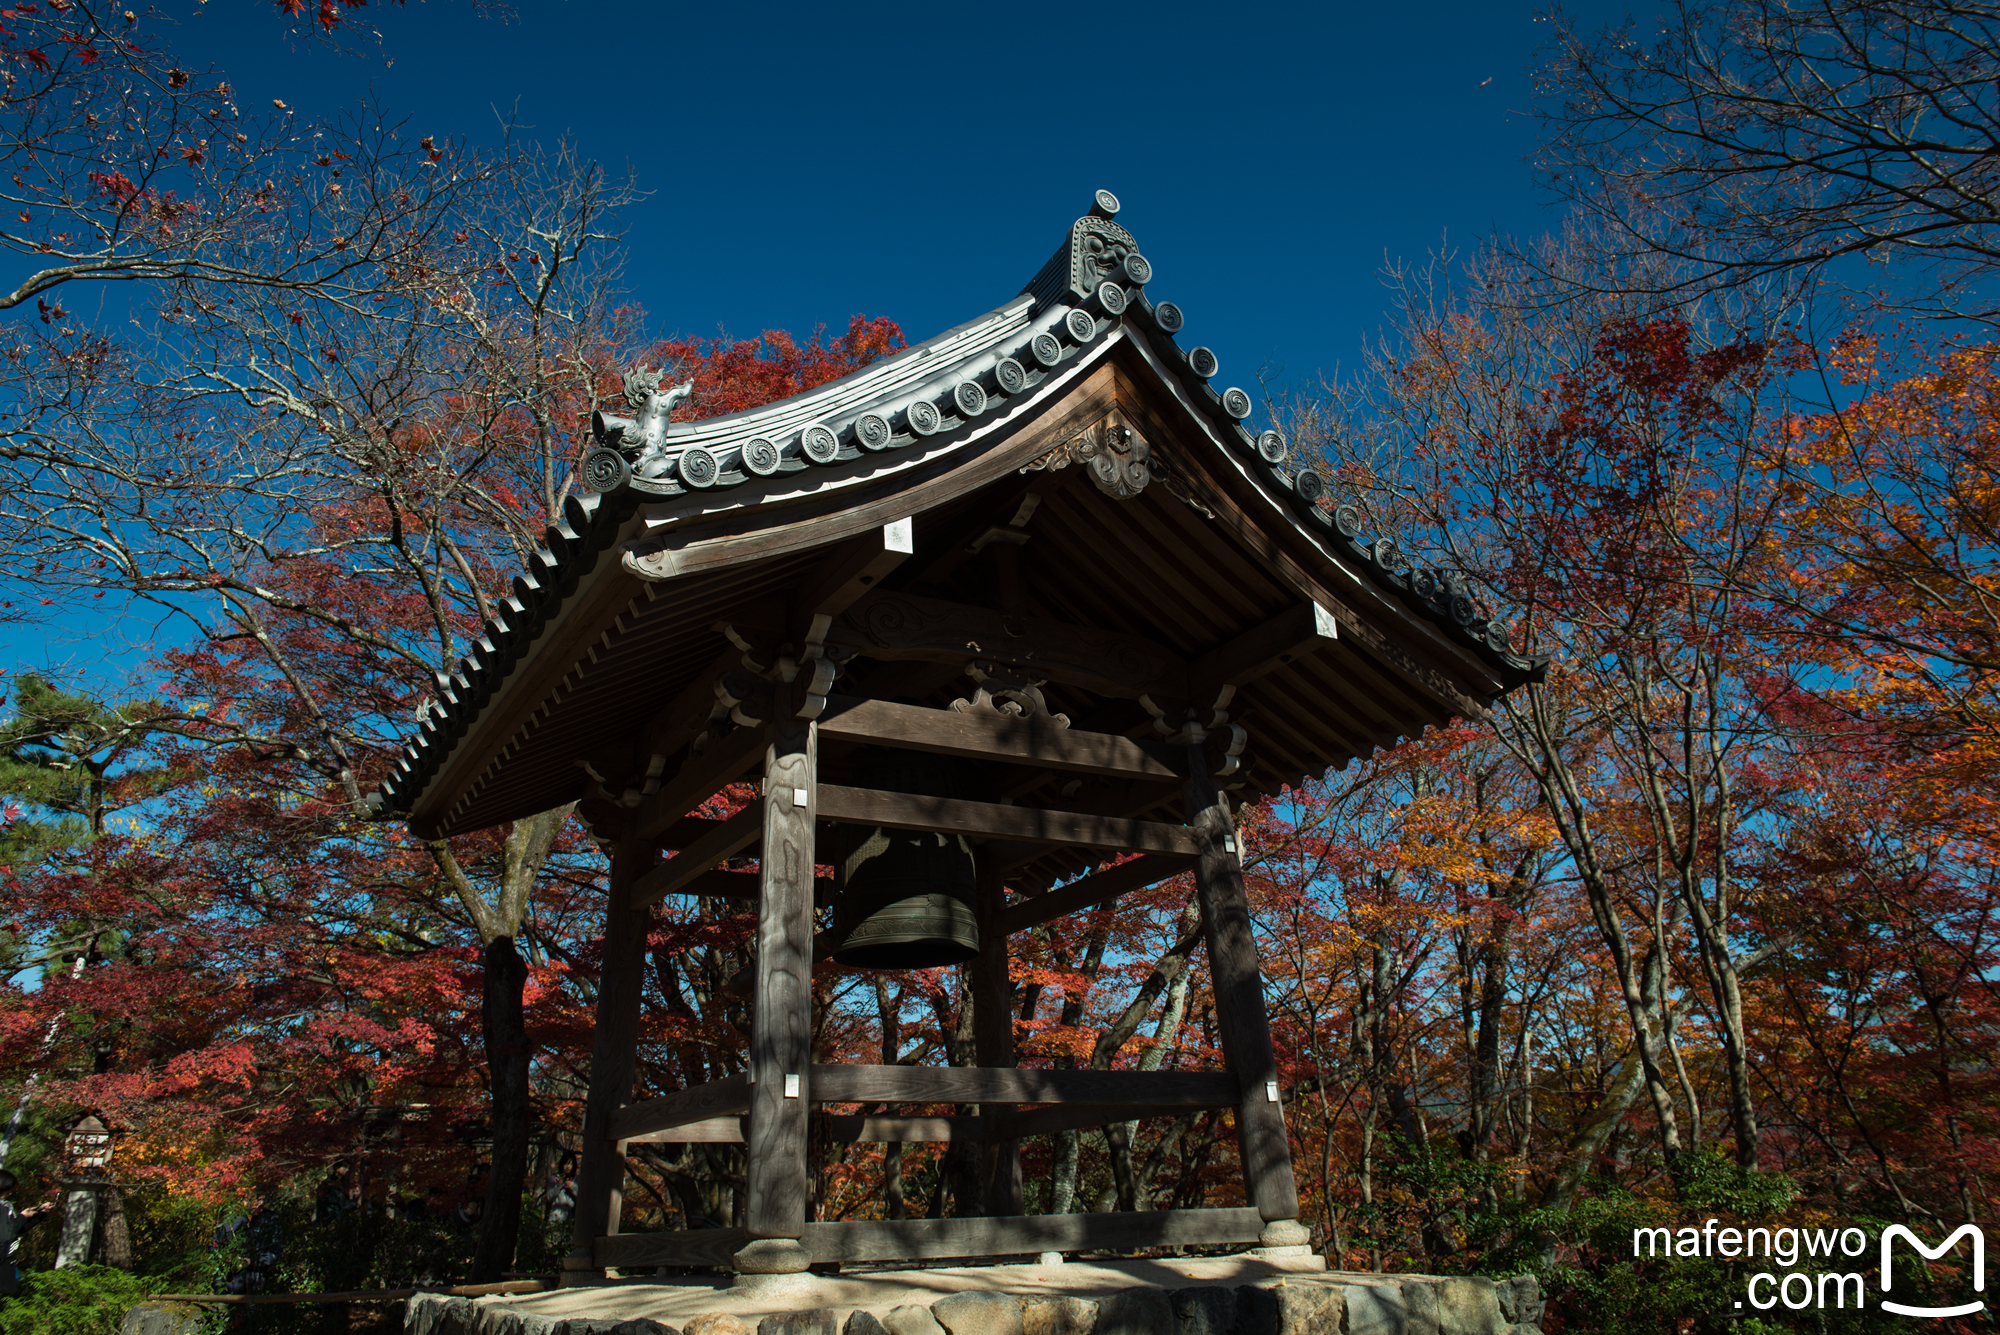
(998, 629)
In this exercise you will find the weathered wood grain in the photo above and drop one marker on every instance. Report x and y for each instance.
(1092, 890)
(979, 1084)
(717, 1098)
(781, 1019)
(1244, 1028)
(990, 820)
(1028, 741)
(712, 1131)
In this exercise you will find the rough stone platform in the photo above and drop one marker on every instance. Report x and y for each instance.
(1240, 1295)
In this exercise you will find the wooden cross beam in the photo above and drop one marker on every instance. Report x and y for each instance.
(1092, 890)
(726, 840)
(726, 759)
(1255, 653)
(1026, 741)
(723, 884)
(709, 1131)
(1076, 1116)
(853, 1129)
(990, 820)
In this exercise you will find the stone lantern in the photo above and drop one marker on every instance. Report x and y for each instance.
(86, 1180)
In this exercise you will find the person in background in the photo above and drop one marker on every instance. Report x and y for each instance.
(13, 1223)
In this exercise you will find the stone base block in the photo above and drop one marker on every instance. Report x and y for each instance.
(163, 1319)
(1242, 1295)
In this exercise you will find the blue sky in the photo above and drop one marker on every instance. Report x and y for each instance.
(921, 161)
(807, 163)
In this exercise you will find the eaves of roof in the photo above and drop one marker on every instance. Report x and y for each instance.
(946, 394)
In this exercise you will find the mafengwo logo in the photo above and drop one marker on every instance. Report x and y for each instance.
(1972, 1231)
(1823, 1287)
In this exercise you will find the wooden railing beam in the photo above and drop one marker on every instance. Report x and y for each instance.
(1078, 1116)
(923, 1239)
(718, 1098)
(982, 1084)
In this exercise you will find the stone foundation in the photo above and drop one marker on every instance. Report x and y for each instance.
(1248, 1295)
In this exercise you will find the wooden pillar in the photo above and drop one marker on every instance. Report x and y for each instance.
(993, 1043)
(781, 1025)
(600, 1176)
(1239, 997)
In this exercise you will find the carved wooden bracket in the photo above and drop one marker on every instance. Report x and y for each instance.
(1117, 458)
(744, 698)
(1223, 749)
(1019, 696)
(819, 673)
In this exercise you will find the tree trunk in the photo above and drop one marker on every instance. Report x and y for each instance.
(1062, 1181)
(959, 1167)
(507, 1052)
(505, 976)
(114, 1237)
(1539, 744)
(1062, 1178)
(1588, 1141)
(888, 1011)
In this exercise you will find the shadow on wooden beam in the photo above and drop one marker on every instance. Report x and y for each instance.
(1007, 1084)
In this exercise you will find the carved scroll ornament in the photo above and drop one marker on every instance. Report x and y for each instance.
(1003, 694)
(1117, 458)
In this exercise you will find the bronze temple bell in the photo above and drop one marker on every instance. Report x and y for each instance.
(903, 899)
